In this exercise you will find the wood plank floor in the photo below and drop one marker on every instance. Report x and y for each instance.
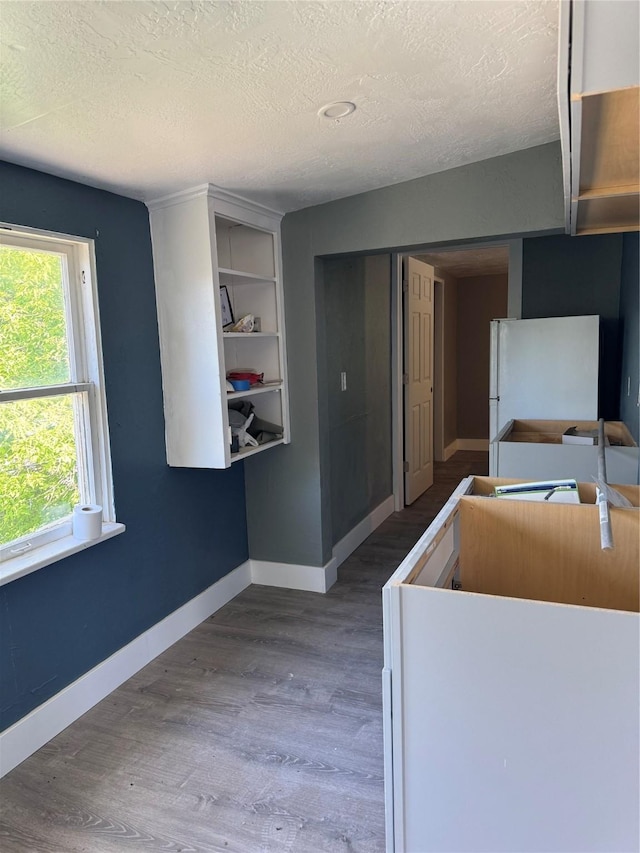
(259, 731)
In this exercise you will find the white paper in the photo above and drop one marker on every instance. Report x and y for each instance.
(87, 522)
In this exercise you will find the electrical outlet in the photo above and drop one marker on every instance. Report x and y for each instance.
(343, 380)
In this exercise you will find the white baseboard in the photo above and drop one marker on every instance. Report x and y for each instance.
(293, 576)
(473, 444)
(320, 578)
(450, 449)
(355, 537)
(27, 735)
(465, 444)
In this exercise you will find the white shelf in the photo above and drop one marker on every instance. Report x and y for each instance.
(248, 335)
(249, 451)
(257, 389)
(250, 276)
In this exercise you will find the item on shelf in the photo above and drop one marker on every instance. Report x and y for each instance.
(239, 425)
(225, 305)
(262, 431)
(245, 373)
(244, 324)
(240, 384)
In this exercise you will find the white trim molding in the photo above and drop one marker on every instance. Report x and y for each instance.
(465, 444)
(53, 551)
(212, 191)
(85, 391)
(450, 449)
(472, 444)
(348, 544)
(321, 578)
(397, 387)
(30, 733)
(294, 576)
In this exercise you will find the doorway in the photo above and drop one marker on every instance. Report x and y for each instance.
(471, 286)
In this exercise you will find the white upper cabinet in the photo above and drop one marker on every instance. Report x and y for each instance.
(599, 98)
(215, 252)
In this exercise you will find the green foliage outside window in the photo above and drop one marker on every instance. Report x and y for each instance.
(38, 463)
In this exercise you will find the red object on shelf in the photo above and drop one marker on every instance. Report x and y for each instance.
(253, 378)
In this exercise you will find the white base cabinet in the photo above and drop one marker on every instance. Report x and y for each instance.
(207, 244)
(511, 705)
(533, 450)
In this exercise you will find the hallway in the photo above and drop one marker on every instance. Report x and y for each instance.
(259, 731)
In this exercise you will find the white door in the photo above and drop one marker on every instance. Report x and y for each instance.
(418, 388)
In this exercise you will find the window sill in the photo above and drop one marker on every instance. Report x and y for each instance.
(43, 556)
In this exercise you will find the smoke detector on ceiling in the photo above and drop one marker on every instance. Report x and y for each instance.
(338, 109)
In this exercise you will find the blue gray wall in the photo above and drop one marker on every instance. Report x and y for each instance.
(288, 490)
(630, 331)
(566, 276)
(356, 339)
(185, 528)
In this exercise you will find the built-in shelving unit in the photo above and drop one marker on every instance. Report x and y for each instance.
(599, 99)
(203, 240)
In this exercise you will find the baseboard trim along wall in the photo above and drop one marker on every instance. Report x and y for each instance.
(449, 450)
(321, 578)
(293, 576)
(355, 537)
(27, 735)
(472, 444)
(30, 733)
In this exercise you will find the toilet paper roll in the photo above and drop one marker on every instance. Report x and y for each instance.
(87, 522)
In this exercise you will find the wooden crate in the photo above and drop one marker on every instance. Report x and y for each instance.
(511, 705)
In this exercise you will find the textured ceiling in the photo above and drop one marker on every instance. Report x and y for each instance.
(145, 98)
(463, 263)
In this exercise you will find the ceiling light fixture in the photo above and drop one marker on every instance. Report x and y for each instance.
(339, 109)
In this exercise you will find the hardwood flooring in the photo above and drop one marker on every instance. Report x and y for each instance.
(259, 731)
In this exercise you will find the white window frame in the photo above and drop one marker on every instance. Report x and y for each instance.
(52, 542)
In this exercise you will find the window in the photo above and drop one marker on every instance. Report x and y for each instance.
(54, 450)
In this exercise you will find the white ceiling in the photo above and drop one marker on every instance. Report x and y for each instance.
(144, 98)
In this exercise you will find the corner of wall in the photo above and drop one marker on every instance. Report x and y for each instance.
(514, 302)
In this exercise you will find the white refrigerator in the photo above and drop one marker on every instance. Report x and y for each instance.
(543, 369)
